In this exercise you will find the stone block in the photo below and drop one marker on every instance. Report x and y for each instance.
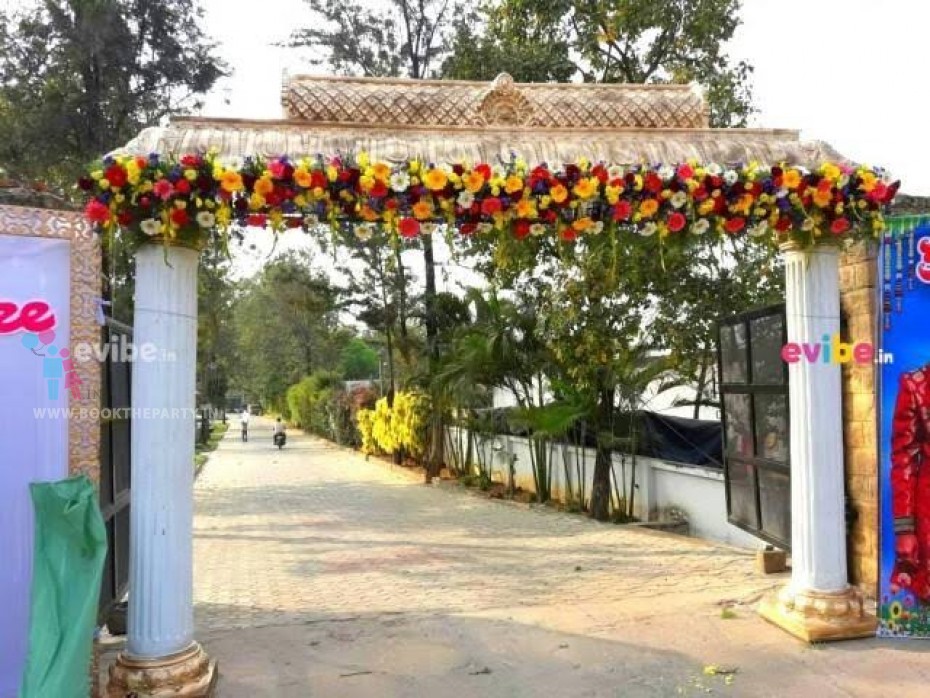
(863, 406)
(862, 461)
(860, 300)
(864, 275)
(863, 487)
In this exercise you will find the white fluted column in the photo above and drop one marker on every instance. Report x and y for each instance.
(160, 628)
(818, 524)
(819, 603)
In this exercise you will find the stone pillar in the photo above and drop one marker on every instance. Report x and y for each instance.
(162, 657)
(818, 604)
(858, 271)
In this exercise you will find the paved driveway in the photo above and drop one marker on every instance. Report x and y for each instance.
(320, 574)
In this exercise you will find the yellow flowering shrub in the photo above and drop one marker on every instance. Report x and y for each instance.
(387, 429)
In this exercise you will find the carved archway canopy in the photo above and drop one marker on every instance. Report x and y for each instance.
(446, 122)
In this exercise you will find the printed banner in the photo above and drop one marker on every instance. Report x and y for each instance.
(34, 341)
(904, 273)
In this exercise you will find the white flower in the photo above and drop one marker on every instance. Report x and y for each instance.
(537, 229)
(648, 230)
(150, 227)
(465, 199)
(615, 172)
(598, 227)
(759, 229)
(400, 181)
(427, 228)
(713, 169)
(205, 219)
(781, 193)
(666, 172)
(311, 219)
(679, 199)
(364, 231)
(730, 177)
(485, 227)
(700, 226)
(808, 224)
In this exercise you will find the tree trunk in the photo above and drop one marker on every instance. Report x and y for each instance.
(702, 380)
(600, 490)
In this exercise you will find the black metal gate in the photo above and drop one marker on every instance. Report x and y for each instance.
(115, 402)
(754, 413)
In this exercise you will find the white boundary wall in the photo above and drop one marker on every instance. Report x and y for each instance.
(697, 491)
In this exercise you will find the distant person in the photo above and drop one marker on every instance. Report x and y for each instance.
(278, 434)
(244, 421)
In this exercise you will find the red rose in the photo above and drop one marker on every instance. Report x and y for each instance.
(549, 215)
(652, 183)
(97, 212)
(257, 220)
(85, 183)
(116, 176)
(622, 210)
(783, 224)
(409, 227)
(182, 187)
(734, 225)
(600, 172)
(145, 202)
(390, 204)
(572, 172)
(379, 190)
(676, 222)
(124, 218)
(468, 228)
(179, 216)
(318, 179)
(568, 234)
(294, 222)
(484, 169)
(521, 229)
(191, 161)
(700, 193)
(839, 226)
(685, 171)
(491, 205)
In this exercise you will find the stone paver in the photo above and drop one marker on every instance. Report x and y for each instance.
(318, 573)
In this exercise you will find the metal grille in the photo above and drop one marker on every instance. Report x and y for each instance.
(115, 470)
(754, 412)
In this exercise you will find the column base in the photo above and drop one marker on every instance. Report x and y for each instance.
(815, 616)
(187, 674)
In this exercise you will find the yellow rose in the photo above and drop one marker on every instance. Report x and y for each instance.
(586, 187)
(791, 179)
(435, 180)
(381, 172)
(706, 207)
(558, 193)
(513, 184)
(830, 171)
(649, 207)
(231, 181)
(582, 224)
(362, 159)
(302, 177)
(823, 197)
(332, 174)
(526, 208)
(190, 175)
(256, 201)
(613, 194)
(264, 186)
(473, 182)
(422, 210)
(366, 183)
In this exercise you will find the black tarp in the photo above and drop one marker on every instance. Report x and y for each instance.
(676, 439)
(681, 440)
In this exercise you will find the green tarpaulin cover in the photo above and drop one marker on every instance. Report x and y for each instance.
(70, 549)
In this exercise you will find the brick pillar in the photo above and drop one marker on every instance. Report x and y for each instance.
(859, 313)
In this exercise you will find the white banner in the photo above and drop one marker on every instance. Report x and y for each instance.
(35, 381)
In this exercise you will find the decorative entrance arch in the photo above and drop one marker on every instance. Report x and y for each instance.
(409, 155)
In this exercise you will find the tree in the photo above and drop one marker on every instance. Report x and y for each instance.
(359, 361)
(400, 38)
(666, 41)
(79, 78)
(216, 355)
(286, 326)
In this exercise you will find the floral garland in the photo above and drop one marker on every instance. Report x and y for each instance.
(192, 197)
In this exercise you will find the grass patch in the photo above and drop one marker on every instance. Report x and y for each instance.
(201, 451)
(727, 613)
